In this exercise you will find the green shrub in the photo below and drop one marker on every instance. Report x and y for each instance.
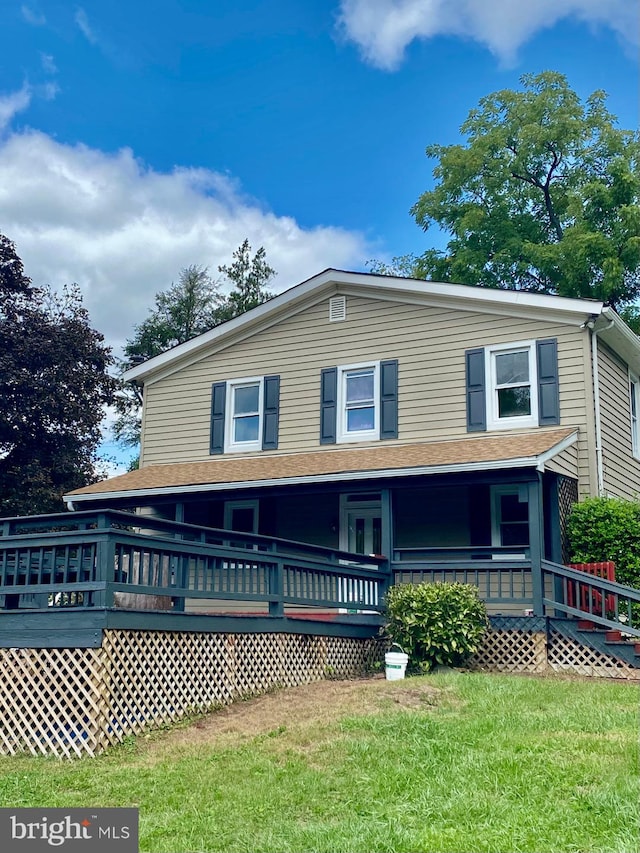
(602, 529)
(436, 623)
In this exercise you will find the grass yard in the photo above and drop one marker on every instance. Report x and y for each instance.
(448, 762)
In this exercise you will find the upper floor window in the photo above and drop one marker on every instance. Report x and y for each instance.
(244, 419)
(634, 391)
(513, 398)
(245, 414)
(512, 385)
(358, 402)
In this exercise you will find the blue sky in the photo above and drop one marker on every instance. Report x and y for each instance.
(138, 138)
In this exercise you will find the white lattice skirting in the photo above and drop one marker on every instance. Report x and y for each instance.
(69, 702)
(519, 650)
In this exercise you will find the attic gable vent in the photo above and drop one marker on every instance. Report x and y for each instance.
(337, 308)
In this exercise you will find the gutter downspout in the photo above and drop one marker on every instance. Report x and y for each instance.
(596, 402)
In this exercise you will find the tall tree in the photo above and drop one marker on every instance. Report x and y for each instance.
(544, 195)
(54, 385)
(188, 308)
(249, 277)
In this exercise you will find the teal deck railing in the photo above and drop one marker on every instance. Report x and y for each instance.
(502, 575)
(87, 561)
(113, 559)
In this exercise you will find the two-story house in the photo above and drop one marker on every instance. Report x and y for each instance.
(441, 425)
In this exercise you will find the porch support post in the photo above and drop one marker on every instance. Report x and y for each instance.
(555, 533)
(387, 543)
(536, 542)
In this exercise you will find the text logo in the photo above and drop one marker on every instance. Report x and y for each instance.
(86, 830)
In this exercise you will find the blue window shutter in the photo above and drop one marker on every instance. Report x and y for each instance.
(328, 405)
(218, 400)
(548, 388)
(271, 413)
(476, 390)
(389, 398)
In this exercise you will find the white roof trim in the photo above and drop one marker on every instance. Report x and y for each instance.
(555, 450)
(331, 279)
(378, 473)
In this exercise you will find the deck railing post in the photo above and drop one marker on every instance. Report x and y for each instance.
(105, 568)
(276, 587)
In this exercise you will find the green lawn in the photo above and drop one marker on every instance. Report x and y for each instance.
(448, 762)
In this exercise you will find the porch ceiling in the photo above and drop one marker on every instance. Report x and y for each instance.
(493, 452)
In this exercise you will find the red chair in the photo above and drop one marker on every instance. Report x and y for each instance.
(590, 600)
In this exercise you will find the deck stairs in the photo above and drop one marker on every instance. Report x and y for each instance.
(604, 640)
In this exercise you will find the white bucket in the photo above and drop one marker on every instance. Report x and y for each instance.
(395, 664)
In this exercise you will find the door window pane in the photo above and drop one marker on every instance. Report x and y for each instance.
(377, 535)
(359, 543)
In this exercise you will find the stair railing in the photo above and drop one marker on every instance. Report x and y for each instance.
(605, 603)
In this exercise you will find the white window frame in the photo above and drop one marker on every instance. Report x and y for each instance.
(230, 445)
(344, 435)
(634, 402)
(493, 419)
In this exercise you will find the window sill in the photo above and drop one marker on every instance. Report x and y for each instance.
(512, 423)
(351, 438)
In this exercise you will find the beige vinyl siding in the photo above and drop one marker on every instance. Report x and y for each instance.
(565, 463)
(621, 471)
(429, 344)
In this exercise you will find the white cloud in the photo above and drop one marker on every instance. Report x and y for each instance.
(82, 21)
(124, 231)
(383, 29)
(49, 91)
(33, 16)
(48, 63)
(12, 104)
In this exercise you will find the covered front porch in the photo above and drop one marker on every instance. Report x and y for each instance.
(309, 537)
(489, 528)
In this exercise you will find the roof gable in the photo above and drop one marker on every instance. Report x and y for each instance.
(390, 288)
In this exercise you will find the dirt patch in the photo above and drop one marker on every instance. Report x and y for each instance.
(308, 706)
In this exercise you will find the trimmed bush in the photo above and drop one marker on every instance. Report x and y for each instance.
(602, 529)
(436, 623)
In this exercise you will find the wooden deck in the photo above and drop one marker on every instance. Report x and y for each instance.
(65, 579)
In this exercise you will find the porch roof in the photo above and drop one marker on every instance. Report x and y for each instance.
(494, 452)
